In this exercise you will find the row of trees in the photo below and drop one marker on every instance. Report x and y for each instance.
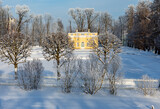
(88, 19)
(4, 24)
(27, 30)
(18, 36)
(141, 26)
(103, 64)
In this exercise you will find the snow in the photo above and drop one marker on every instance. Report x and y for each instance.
(131, 6)
(135, 63)
(7, 7)
(22, 9)
(51, 98)
(82, 53)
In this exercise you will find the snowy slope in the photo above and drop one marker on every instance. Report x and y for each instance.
(136, 63)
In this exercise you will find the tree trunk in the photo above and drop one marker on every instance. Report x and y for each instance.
(58, 73)
(158, 51)
(15, 70)
(159, 84)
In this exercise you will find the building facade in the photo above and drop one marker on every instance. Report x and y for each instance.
(84, 40)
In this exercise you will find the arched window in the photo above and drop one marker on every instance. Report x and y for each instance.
(82, 44)
(77, 44)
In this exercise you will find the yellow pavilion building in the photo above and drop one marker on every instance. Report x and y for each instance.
(83, 40)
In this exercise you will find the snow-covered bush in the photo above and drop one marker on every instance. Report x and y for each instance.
(114, 75)
(147, 86)
(71, 68)
(30, 75)
(92, 75)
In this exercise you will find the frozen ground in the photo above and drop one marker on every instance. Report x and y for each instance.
(135, 63)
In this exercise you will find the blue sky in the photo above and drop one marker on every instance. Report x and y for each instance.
(59, 8)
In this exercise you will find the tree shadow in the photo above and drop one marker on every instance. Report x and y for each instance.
(1, 72)
(48, 73)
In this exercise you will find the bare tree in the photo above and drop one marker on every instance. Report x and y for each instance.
(155, 25)
(30, 75)
(70, 26)
(15, 46)
(14, 49)
(22, 12)
(38, 29)
(91, 16)
(114, 75)
(109, 47)
(130, 13)
(122, 22)
(159, 84)
(4, 20)
(26, 30)
(48, 23)
(120, 28)
(106, 22)
(56, 46)
(139, 32)
(99, 24)
(79, 17)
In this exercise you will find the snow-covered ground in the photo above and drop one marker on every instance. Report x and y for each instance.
(135, 63)
(50, 98)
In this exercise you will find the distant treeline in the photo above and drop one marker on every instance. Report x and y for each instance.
(140, 26)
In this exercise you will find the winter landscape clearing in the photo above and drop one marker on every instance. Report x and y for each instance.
(135, 64)
(79, 54)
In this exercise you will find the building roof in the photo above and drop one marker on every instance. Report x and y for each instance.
(83, 34)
